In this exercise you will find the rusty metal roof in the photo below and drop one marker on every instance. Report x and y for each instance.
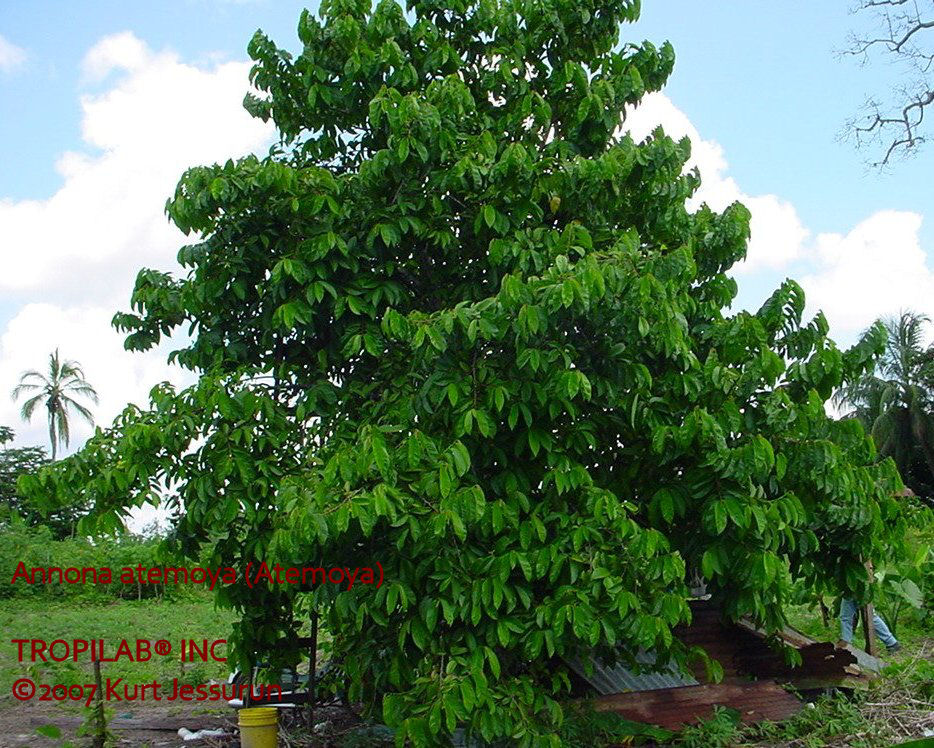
(618, 678)
(672, 699)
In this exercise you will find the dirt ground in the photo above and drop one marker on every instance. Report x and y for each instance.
(147, 725)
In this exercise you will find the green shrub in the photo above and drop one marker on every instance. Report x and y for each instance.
(35, 547)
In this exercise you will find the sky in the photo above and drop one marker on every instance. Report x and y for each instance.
(104, 104)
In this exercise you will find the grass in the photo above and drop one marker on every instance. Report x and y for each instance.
(194, 618)
(909, 632)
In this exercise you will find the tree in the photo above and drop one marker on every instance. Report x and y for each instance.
(896, 400)
(17, 461)
(57, 390)
(457, 323)
(901, 36)
(14, 462)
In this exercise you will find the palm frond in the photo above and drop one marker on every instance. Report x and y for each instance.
(54, 366)
(883, 433)
(81, 388)
(64, 428)
(29, 407)
(23, 387)
(84, 412)
(71, 370)
(33, 374)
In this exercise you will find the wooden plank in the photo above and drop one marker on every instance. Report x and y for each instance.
(673, 708)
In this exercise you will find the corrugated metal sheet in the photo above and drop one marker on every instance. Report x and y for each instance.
(866, 661)
(671, 699)
(620, 679)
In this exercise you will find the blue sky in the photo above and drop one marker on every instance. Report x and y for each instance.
(39, 108)
(106, 102)
(764, 80)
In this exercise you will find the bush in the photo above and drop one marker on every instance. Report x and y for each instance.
(35, 547)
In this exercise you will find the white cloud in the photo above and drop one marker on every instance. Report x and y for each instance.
(124, 51)
(877, 269)
(74, 256)
(107, 220)
(11, 56)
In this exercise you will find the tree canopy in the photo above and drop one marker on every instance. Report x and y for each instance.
(895, 401)
(17, 461)
(459, 323)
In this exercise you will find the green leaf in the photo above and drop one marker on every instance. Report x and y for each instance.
(437, 340)
(444, 481)
(666, 505)
(534, 443)
(493, 660)
(434, 718)
(567, 293)
(710, 563)
(389, 234)
(218, 189)
(719, 517)
(380, 453)
(461, 457)
(468, 698)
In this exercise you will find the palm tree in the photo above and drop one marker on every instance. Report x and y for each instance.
(896, 401)
(65, 380)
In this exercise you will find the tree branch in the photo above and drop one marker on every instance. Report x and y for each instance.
(898, 124)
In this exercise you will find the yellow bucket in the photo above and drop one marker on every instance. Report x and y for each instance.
(259, 727)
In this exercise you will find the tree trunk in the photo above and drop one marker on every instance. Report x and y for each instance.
(52, 436)
(99, 736)
(869, 630)
(312, 667)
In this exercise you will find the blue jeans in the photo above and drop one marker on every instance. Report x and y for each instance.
(848, 609)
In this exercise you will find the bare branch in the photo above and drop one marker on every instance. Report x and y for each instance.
(877, 3)
(898, 124)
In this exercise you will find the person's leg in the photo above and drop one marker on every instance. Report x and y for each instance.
(847, 610)
(882, 631)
